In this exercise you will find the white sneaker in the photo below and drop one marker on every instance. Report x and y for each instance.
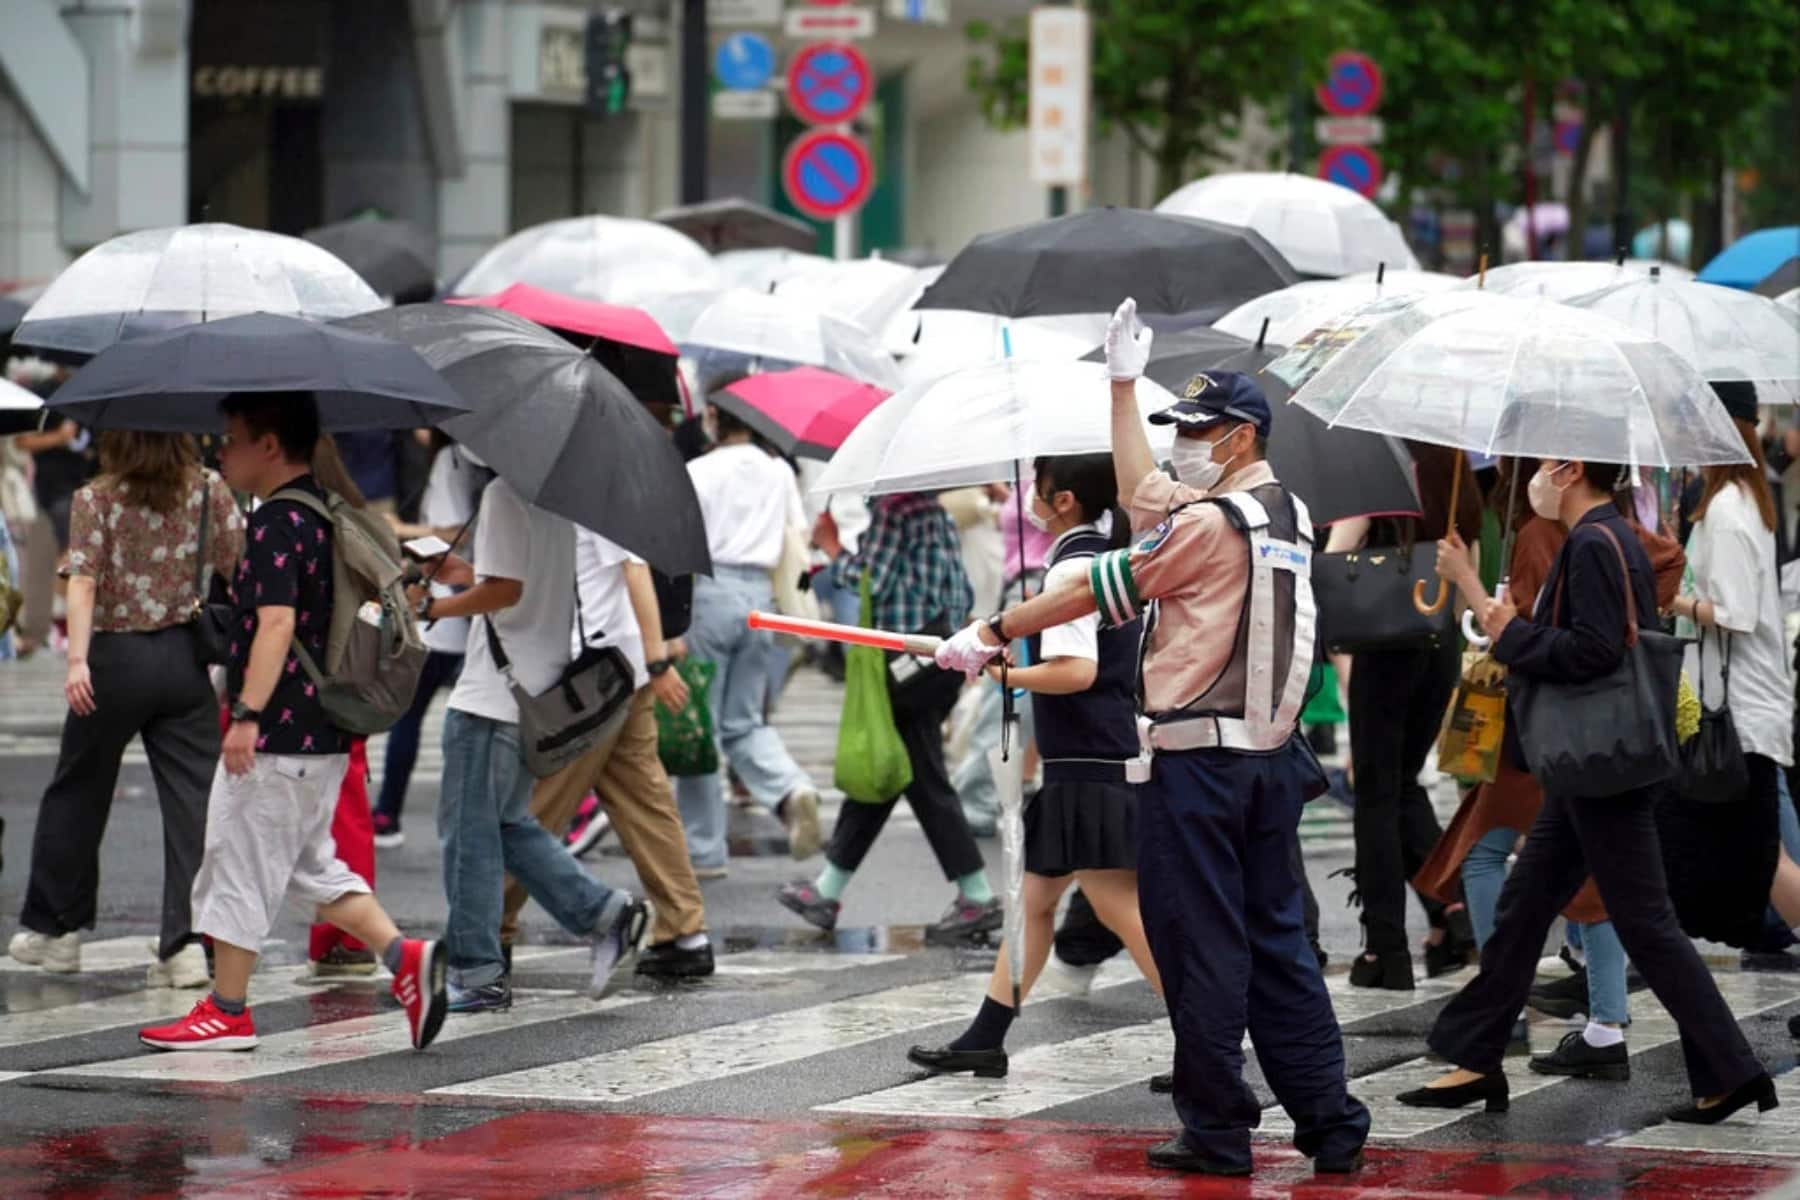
(186, 968)
(59, 954)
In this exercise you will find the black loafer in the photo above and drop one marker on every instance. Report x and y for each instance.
(1163, 1085)
(1176, 1155)
(1492, 1089)
(666, 960)
(987, 1064)
(1333, 1165)
(1574, 1056)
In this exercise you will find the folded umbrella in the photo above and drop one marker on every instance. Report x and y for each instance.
(805, 412)
(559, 427)
(1340, 473)
(603, 258)
(758, 328)
(737, 224)
(394, 257)
(1087, 262)
(626, 341)
(159, 279)
(172, 382)
(1321, 228)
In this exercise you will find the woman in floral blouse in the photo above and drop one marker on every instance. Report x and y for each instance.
(135, 562)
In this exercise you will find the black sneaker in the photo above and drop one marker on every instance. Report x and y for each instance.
(802, 898)
(1574, 1056)
(964, 919)
(666, 960)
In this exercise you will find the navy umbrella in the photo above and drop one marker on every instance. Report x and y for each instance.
(172, 382)
(557, 426)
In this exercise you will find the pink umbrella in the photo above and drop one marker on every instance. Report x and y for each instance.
(804, 412)
(614, 322)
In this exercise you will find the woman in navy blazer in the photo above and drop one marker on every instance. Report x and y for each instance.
(1612, 836)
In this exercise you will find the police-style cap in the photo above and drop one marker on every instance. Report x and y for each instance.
(1214, 396)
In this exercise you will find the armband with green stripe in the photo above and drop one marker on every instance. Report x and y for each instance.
(1115, 592)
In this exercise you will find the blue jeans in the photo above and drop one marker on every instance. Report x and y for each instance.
(487, 832)
(744, 657)
(440, 671)
(1607, 1001)
(1483, 874)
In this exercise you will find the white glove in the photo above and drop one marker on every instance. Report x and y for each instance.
(965, 651)
(1127, 344)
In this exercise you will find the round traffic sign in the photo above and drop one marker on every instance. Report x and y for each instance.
(827, 174)
(1352, 86)
(745, 62)
(1355, 167)
(828, 83)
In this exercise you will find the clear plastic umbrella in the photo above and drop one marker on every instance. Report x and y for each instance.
(1296, 311)
(160, 279)
(1530, 379)
(975, 425)
(617, 259)
(763, 328)
(1319, 227)
(1727, 333)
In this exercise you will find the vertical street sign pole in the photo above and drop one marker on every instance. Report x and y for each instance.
(694, 101)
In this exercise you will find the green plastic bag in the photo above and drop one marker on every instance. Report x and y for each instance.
(684, 740)
(872, 766)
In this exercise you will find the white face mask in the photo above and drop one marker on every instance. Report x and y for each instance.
(1545, 496)
(1194, 463)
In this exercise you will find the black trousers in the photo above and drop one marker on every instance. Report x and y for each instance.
(920, 710)
(146, 684)
(1615, 838)
(1397, 701)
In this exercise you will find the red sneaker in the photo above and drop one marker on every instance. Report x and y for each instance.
(419, 987)
(207, 1027)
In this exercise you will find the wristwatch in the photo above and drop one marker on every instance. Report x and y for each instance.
(660, 667)
(993, 625)
(243, 712)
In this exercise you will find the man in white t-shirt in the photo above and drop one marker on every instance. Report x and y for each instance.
(521, 592)
(618, 608)
(749, 499)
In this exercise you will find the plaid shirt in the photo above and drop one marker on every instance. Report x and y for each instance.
(914, 564)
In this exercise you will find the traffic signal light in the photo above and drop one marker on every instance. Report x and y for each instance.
(608, 81)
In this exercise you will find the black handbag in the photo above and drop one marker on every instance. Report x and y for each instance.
(1713, 770)
(1608, 735)
(1365, 600)
(212, 612)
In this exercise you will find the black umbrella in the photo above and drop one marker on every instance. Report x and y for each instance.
(1340, 473)
(1090, 261)
(738, 225)
(394, 257)
(558, 427)
(172, 382)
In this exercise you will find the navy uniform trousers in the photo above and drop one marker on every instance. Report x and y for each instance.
(1220, 894)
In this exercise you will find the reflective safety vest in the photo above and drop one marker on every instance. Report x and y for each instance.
(1254, 703)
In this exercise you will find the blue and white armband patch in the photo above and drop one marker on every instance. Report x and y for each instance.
(1115, 593)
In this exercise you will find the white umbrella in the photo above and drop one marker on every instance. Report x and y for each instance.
(1528, 379)
(763, 327)
(21, 411)
(1727, 333)
(1298, 310)
(160, 279)
(977, 424)
(616, 259)
(1319, 227)
(1553, 280)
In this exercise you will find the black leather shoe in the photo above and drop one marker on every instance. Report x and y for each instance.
(987, 1064)
(1492, 1089)
(666, 960)
(1759, 1091)
(1574, 1056)
(1391, 971)
(1176, 1155)
(1163, 1085)
(1332, 1165)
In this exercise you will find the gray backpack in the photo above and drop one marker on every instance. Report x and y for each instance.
(373, 653)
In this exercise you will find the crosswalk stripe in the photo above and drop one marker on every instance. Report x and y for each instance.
(333, 1043)
(744, 1046)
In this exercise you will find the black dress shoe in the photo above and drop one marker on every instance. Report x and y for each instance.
(1333, 1165)
(666, 960)
(1760, 1091)
(987, 1064)
(1163, 1085)
(1391, 971)
(1574, 1056)
(1489, 1088)
(1176, 1155)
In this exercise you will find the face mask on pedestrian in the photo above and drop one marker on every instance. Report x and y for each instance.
(1544, 493)
(1194, 463)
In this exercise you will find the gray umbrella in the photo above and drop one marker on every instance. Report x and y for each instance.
(172, 382)
(557, 426)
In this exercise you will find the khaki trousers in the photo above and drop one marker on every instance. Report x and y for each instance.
(627, 775)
